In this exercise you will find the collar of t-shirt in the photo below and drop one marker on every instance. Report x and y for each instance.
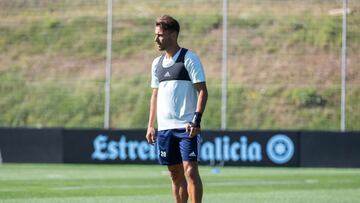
(167, 62)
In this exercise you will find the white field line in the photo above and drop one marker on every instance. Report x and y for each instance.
(211, 184)
(9, 190)
(56, 176)
(166, 185)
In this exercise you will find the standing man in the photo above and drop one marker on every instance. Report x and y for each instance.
(178, 100)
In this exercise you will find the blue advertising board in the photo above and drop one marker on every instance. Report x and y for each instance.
(245, 148)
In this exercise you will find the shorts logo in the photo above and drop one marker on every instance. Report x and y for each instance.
(280, 149)
(163, 153)
(192, 154)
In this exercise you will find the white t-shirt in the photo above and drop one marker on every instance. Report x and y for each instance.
(177, 99)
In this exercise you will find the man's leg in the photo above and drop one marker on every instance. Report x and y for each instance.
(195, 188)
(179, 185)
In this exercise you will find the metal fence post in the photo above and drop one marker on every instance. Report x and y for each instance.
(224, 68)
(108, 66)
(343, 68)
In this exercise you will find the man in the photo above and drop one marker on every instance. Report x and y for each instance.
(178, 100)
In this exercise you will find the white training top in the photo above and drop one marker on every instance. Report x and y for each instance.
(177, 99)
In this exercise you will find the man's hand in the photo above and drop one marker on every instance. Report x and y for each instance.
(150, 135)
(193, 131)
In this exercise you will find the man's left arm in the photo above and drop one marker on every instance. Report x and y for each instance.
(194, 127)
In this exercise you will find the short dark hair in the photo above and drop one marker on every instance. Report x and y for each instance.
(167, 22)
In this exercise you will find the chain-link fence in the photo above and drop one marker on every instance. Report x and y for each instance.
(283, 61)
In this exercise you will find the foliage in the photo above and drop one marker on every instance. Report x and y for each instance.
(29, 102)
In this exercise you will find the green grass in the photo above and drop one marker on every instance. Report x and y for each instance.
(81, 104)
(139, 183)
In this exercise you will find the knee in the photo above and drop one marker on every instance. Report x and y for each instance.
(191, 173)
(176, 176)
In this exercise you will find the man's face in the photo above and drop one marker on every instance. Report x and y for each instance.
(163, 38)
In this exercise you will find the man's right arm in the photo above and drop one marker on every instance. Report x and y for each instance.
(150, 134)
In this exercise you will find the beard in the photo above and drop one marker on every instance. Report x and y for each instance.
(160, 47)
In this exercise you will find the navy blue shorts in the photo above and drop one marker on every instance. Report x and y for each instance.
(175, 146)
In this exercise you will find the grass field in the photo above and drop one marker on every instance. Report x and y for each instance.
(139, 183)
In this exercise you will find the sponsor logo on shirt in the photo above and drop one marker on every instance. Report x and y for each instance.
(167, 74)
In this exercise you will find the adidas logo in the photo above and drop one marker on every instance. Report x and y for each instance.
(192, 154)
(167, 74)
